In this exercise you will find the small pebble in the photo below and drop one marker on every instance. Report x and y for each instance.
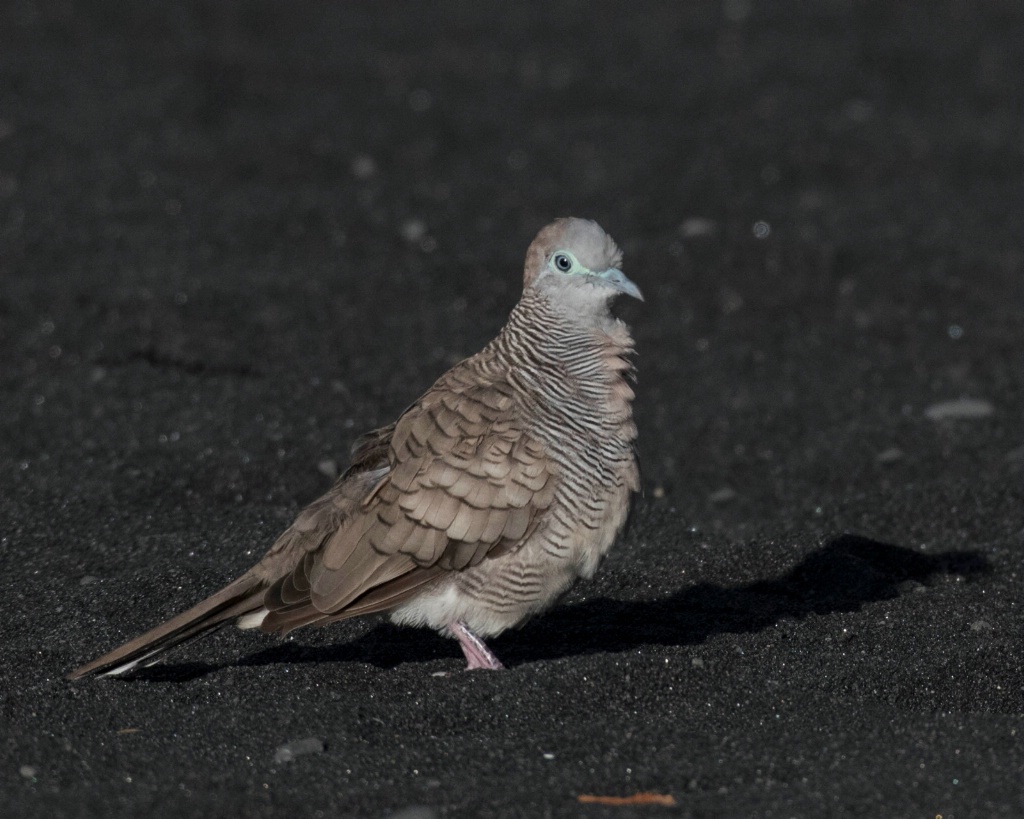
(413, 230)
(959, 409)
(890, 455)
(328, 467)
(299, 747)
(981, 626)
(697, 226)
(27, 771)
(88, 580)
(415, 812)
(723, 495)
(363, 167)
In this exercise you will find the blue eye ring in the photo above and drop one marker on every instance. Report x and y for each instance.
(562, 262)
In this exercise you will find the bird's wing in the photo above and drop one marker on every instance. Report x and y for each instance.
(331, 511)
(464, 481)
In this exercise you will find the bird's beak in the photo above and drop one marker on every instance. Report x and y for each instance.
(617, 279)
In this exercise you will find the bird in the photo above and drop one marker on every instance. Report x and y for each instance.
(505, 482)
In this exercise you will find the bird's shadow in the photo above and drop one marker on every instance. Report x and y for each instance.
(844, 574)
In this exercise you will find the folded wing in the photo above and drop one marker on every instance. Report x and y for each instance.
(462, 481)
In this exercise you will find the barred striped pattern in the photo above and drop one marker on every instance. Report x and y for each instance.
(571, 384)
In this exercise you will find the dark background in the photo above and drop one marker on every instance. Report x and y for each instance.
(235, 235)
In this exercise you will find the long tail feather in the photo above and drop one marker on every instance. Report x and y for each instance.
(234, 600)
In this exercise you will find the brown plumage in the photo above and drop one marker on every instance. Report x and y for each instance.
(508, 479)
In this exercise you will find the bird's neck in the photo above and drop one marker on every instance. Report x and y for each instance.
(569, 335)
(569, 370)
(583, 310)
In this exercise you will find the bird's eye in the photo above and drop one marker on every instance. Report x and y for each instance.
(563, 262)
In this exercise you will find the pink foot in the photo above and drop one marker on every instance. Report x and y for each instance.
(478, 655)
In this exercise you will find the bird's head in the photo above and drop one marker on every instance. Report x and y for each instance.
(575, 263)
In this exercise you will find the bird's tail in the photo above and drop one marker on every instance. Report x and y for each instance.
(243, 596)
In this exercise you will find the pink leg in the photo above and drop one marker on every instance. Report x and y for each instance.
(478, 655)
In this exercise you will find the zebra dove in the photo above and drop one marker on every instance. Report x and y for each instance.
(505, 482)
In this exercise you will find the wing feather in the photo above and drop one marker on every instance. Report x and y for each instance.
(463, 480)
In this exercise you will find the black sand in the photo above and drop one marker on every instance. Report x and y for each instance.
(235, 235)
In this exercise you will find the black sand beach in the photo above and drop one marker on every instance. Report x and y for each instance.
(234, 236)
